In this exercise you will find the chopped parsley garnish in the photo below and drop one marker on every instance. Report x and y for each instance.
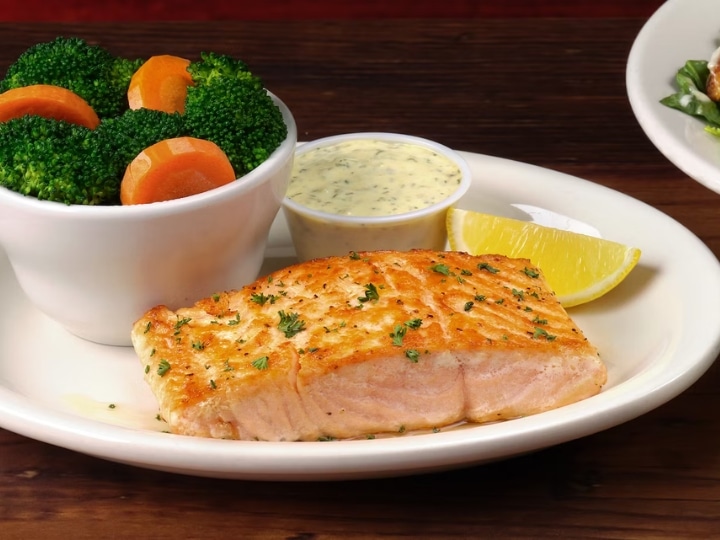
(212, 384)
(341, 324)
(400, 330)
(486, 266)
(198, 345)
(518, 293)
(479, 298)
(262, 299)
(235, 321)
(538, 320)
(290, 324)
(413, 355)
(541, 332)
(398, 334)
(260, 363)
(414, 323)
(180, 323)
(531, 272)
(163, 367)
(148, 326)
(370, 293)
(468, 306)
(443, 269)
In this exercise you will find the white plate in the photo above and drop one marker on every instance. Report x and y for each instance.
(658, 331)
(678, 31)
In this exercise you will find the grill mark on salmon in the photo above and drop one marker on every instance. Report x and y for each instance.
(370, 343)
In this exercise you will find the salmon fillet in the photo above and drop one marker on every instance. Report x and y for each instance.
(370, 343)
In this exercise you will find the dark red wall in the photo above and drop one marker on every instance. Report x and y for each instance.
(129, 10)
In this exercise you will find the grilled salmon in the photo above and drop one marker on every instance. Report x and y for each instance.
(366, 344)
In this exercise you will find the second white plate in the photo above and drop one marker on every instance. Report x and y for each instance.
(658, 332)
(678, 31)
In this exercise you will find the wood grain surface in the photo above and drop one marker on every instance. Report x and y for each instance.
(550, 92)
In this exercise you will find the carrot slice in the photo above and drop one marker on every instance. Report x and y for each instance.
(175, 168)
(49, 101)
(160, 83)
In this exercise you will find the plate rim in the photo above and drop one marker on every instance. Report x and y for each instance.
(382, 457)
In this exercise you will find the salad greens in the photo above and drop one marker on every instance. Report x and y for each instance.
(691, 98)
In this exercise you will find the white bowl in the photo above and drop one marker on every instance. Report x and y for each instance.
(320, 233)
(678, 31)
(95, 270)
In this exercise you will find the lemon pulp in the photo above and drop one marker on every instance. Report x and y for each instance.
(578, 267)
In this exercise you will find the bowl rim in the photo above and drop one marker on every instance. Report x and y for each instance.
(446, 151)
(256, 176)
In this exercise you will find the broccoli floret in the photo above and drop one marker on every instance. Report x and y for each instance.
(91, 71)
(229, 106)
(56, 161)
(214, 67)
(134, 130)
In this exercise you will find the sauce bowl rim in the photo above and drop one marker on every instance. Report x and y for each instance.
(446, 151)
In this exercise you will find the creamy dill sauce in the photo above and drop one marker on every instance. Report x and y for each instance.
(368, 177)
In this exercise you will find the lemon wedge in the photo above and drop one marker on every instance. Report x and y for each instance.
(578, 267)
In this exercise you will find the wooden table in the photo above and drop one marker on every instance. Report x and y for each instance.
(550, 92)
